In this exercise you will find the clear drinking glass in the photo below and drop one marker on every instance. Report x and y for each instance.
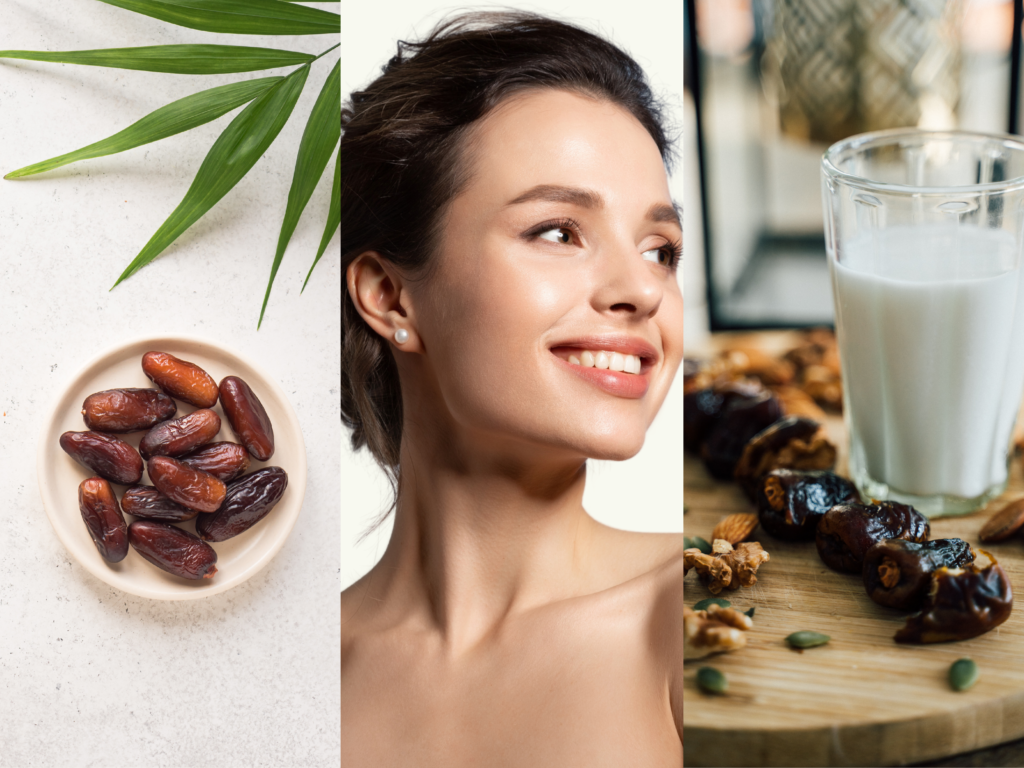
(924, 238)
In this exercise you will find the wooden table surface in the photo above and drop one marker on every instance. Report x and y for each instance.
(862, 699)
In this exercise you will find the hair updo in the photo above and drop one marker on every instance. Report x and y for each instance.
(400, 165)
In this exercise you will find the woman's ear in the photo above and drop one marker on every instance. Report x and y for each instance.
(382, 298)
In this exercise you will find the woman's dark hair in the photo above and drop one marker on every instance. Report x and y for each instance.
(401, 164)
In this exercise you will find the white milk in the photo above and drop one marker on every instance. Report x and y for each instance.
(931, 332)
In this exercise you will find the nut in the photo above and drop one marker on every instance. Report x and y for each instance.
(716, 630)
(1004, 523)
(735, 528)
(726, 566)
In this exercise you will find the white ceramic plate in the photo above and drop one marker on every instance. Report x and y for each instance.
(59, 475)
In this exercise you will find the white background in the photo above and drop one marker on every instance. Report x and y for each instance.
(90, 675)
(646, 492)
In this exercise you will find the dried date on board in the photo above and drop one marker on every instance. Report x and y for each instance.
(790, 443)
(109, 457)
(223, 460)
(848, 531)
(126, 410)
(103, 518)
(702, 408)
(897, 573)
(248, 501)
(176, 551)
(961, 603)
(741, 420)
(248, 417)
(180, 436)
(791, 502)
(187, 486)
(181, 379)
(147, 502)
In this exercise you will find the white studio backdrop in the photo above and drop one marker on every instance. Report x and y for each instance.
(644, 493)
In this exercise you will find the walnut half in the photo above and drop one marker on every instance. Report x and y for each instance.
(715, 630)
(727, 566)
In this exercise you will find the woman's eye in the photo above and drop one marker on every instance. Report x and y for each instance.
(557, 235)
(661, 256)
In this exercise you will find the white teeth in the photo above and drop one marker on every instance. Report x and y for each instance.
(615, 361)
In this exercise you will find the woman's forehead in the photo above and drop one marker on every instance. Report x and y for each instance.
(553, 138)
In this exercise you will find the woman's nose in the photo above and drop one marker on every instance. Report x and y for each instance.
(627, 284)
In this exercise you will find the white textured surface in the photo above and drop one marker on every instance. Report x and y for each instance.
(644, 493)
(90, 675)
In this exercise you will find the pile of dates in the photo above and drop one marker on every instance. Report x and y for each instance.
(194, 477)
(886, 543)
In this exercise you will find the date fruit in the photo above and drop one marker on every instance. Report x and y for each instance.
(790, 443)
(741, 420)
(848, 531)
(248, 417)
(103, 518)
(248, 501)
(127, 410)
(897, 573)
(109, 457)
(187, 486)
(180, 436)
(961, 603)
(176, 551)
(223, 460)
(702, 408)
(181, 379)
(147, 502)
(791, 502)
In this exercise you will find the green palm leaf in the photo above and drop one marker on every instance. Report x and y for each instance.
(333, 217)
(178, 116)
(177, 59)
(239, 17)
(318, 141)
(236, 150)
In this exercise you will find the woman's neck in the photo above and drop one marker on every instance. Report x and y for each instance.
(483, 534)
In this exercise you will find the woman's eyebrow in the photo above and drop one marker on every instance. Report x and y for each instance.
(666, 213)
(553, 193)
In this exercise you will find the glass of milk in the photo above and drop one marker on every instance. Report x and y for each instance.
(924, 238)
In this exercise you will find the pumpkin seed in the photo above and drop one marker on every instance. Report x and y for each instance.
(696, 542)
(750, 612)
(963, 673)
(703, 604)
(710, 680)
(807, 639)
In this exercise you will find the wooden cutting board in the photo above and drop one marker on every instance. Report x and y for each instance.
(862, 699)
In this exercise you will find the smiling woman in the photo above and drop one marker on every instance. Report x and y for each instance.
(513, 310)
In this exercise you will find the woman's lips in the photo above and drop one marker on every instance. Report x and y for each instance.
(629, 385)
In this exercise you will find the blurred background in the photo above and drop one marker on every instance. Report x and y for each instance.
(770, 84)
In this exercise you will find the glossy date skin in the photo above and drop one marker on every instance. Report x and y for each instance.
(185, 485)
(126, 410)
(794, 442)
(790, 503)
(961, 603)
(248, 417)
(248, 501)
(109, 457)
(103, 518)
(176, 551)
(741, 420)
(703, 408)
(225, 461)
(180, 436)
(897, 573)
(147, 502)
(848, 531)
(181, 379)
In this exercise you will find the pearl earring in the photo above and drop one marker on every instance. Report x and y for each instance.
(401, 336)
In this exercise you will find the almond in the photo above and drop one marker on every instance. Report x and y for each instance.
(1003, 524)
(735, 528)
